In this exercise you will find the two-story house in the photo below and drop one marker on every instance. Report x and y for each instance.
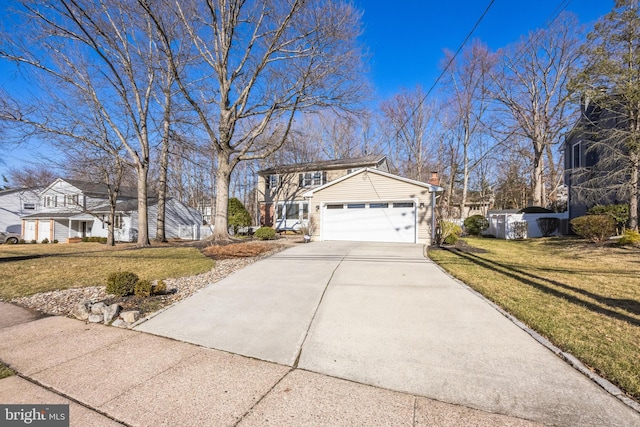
(71, 208)
(348, 199)
(281, 188)
(597, 163)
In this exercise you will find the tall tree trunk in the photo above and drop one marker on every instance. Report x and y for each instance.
(465, 171)
(143, 215)
(537, 175)
(164, 166)
(633, 200)
(223, 178)
(111, 241)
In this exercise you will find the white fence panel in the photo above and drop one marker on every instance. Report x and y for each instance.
(503, 225)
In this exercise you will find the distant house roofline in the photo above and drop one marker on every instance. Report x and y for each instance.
(100, 189)
(356, 162)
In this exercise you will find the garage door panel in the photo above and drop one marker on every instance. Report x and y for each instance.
(370, 224)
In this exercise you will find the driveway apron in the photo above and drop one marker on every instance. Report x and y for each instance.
(262, 311)
(384, 315)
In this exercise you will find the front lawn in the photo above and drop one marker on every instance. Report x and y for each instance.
(33, 268)
(582, 297)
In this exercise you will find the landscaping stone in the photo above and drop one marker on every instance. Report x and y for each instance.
(110, 312)
(81, 310)
(130, 316)
(96, 318)
(98, 308)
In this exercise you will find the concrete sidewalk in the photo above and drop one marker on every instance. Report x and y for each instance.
(364, 334)
(111, 376)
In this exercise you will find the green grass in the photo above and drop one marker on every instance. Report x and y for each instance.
(582, 297)
(31, 269)
(5, 372)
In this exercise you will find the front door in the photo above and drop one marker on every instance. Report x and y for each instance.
(83, 229)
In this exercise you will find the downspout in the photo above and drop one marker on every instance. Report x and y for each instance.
(433, 217)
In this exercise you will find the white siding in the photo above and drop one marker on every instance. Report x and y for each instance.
(12, 208)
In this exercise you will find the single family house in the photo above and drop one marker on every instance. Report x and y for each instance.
(353, 199)
(71, 208)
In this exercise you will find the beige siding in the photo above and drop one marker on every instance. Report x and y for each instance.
(371, 187)
(289, 189)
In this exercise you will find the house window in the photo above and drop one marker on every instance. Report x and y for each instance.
(29, 206)
(48, 201)
(312, 179)
(403, 205)
(576, 152)
(117, 223)
(355, 206)
(272, 181)
(378, 205)
(335, 206)
(292, 211)
(71, 200)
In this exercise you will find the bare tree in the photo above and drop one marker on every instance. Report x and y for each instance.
(411, 126)
(31, 176)
(265, 61)
(95, 165)
(98, 56)
(467, 82)
(610, 81)
(531, 88)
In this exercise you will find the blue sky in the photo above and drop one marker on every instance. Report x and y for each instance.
(406, 38)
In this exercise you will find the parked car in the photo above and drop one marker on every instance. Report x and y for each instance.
(6, 237)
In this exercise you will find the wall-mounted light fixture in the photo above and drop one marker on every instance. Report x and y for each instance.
(317, 208)
(421, 205)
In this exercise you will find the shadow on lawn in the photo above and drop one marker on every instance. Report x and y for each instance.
(59, 255)
(630, 306)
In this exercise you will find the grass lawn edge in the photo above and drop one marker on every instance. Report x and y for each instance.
(573, 361)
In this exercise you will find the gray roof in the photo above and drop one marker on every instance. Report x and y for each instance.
(352, 163)
(34, 190)
(101, 188)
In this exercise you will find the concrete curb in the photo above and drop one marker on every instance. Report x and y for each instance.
(567, 357)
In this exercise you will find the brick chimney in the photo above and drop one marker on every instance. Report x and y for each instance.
(434, 180)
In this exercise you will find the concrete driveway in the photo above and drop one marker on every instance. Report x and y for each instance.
(383, 315)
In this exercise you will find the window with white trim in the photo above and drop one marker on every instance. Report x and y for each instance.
(272, 181)
(29, 206)
(312, 179)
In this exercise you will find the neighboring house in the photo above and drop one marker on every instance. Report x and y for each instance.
(16, 204)
(596, 160)
(281, 188)
(70, 208)
(373, 205)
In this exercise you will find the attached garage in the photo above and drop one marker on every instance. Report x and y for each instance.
(370, 221)
(370, 205)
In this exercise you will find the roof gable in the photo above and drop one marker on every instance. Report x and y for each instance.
(430, 187)
(351, 163)
(92, 188)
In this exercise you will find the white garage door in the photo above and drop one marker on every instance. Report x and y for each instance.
(369, 222)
